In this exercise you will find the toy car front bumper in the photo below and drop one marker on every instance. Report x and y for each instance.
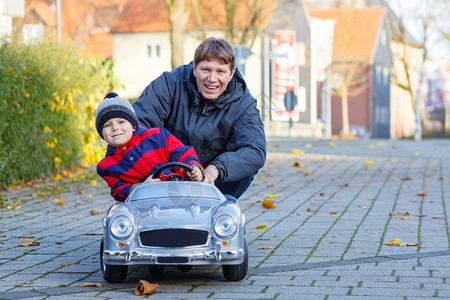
(216, 255)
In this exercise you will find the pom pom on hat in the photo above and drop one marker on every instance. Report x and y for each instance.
(114, 107)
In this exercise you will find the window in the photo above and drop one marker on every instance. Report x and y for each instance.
(153, 51)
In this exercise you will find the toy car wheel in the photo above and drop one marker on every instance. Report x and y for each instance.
(157, 271)
(112, 273)
(237, 272)
(184, 268)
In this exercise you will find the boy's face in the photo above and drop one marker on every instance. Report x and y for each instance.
(117, 131)
(212, 78)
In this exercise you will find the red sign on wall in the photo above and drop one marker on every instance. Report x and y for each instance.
(284, 78)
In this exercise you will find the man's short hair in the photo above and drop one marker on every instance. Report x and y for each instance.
(215, 49)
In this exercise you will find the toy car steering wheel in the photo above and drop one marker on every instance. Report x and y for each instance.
(174, 176)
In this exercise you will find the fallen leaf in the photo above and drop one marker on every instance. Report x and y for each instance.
(93, 183)
(2, 235)
(58, 177)
(333, 213)
(399, 242)
(406, 218)
(262, 226)
(93, 233)
(95, 211)
(297, 151)
(268, 204)
(309, 173)
(15, 205)
(59, 243)
(422, 193)
(442, 178)
(272, 196)
(297, 164)
(409, 178)
(399, 213)
(369, 162)
(439, 218)
(63, 264)
(91, 284)
(332, 145)
(394, 242)
(265, 248)
(310, 210)
(366, 182)
(144, 287)
(322, 194)
(59, 201)
(28, 242)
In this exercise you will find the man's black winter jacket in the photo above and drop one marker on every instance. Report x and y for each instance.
(227, 132)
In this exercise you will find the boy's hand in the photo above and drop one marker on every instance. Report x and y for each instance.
(196, 174)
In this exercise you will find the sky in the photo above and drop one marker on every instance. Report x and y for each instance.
(413, 10)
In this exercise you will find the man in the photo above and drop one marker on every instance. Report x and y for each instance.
(206, 104)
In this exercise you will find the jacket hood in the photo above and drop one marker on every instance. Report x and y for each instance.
(236, 88)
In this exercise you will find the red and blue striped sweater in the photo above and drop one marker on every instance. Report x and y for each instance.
(138, 159)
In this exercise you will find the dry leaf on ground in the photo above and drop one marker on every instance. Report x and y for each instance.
(333, 212)
(422, 193)
(268, 204)
(272, 196)
(28, 242)
(297, 151)
(144, 287)
(59, 201)
(95, 211)
(63, 264)
(266, 248)
(399, 242)
(91, 284)
(262, 226)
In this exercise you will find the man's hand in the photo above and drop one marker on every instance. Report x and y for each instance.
(151, 179)
(196, 174)
(211, 174)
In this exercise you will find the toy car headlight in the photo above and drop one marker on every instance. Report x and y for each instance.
(121, 227)
(225, 226)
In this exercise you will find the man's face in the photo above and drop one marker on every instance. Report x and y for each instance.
(117, 131)
(212, 78)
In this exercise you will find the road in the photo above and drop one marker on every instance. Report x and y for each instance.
(338, 203)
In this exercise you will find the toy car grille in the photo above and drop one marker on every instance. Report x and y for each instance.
(173, 237)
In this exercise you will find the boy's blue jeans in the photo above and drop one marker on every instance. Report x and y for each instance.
(235, 188)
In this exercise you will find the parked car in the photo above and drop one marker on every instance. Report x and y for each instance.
(174, 222)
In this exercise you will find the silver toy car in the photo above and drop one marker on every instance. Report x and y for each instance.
(174, 222)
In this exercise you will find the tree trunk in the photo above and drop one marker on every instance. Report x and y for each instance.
(345, 123)
(178, 19)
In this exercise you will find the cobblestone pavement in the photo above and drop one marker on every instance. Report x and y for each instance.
(339, 203)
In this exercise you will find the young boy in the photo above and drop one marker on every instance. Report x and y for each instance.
(135, 152)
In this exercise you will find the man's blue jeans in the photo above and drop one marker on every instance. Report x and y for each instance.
(235, 188)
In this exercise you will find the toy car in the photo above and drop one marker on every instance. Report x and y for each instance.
(174, 222)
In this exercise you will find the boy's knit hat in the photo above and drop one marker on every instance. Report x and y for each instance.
(114, 107)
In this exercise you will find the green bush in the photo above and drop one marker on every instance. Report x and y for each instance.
(48, 95)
